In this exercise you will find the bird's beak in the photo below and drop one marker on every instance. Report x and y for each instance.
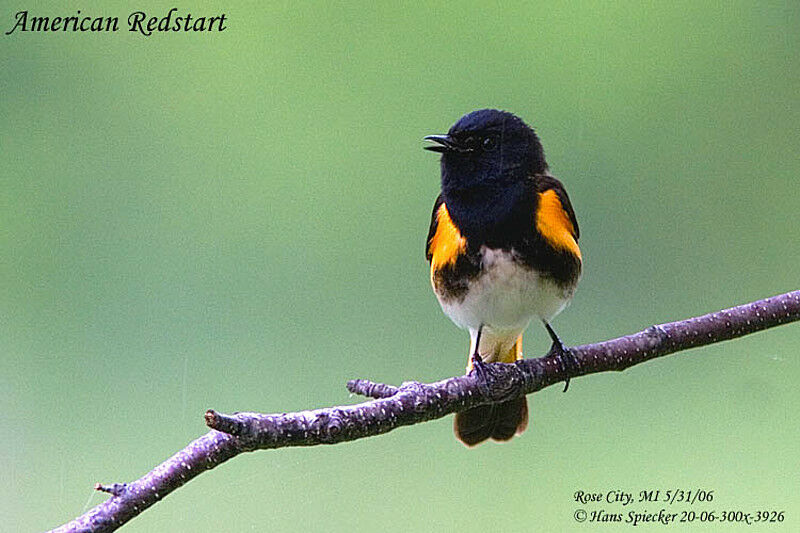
(443, 143)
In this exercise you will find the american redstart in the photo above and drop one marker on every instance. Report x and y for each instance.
(503, 249)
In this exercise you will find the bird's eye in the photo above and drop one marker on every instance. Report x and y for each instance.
(490, 143)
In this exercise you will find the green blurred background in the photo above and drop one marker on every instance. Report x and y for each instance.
(236, 221)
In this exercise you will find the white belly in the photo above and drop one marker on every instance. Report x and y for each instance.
(504, 300)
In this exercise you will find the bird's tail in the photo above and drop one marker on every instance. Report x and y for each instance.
(500, 421)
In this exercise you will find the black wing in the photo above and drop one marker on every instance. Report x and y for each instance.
(434, 223)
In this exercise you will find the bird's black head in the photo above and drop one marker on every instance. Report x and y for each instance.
(488, 148)
(487, 157)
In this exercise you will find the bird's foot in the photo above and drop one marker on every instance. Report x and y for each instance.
(479, 368)
(569, 365)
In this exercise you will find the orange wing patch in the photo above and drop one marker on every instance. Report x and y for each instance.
(447, 243)
(554, 223)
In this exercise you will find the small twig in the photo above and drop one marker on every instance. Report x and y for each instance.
(413, 402)
(117, 489)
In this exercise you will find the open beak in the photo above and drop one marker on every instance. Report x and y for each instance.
(443, 143)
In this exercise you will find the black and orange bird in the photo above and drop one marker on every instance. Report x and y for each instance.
(503, 250)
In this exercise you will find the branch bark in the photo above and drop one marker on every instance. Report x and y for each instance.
(413, 402)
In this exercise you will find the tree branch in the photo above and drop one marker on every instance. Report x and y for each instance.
(413, 402)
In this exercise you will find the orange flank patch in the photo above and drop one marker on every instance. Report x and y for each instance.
(554, 223)
(447, 243)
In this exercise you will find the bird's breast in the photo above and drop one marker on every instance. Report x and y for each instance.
(503, 293)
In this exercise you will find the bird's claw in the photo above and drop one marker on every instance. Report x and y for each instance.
(565, 359)
(479, 367)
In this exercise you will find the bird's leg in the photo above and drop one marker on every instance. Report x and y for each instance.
(477, 362)
(476, 354)
(565, 358)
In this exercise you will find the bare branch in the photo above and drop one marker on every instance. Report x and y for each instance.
(413, 402)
